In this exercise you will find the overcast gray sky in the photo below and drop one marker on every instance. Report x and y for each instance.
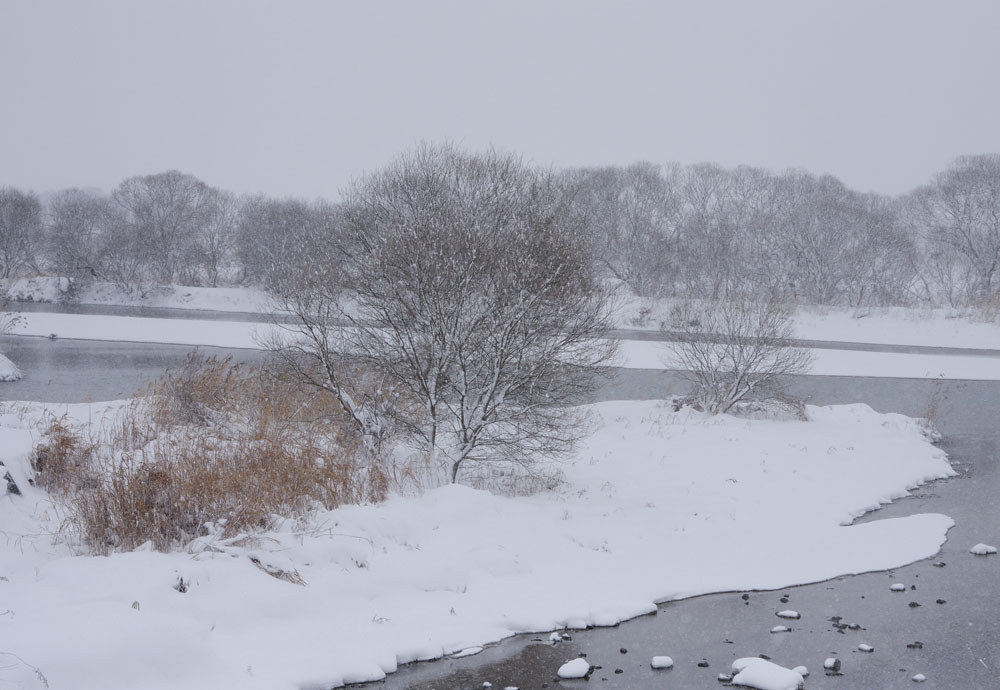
(295, 98)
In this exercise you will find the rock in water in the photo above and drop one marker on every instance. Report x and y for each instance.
(662, 662)
(788, 613)
(577, 668)
(983, 549)
(755, 672)
(866, 647)
(898, 587)
(832, 664)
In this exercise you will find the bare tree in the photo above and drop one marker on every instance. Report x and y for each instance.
(214, 243)
(78, 222)
(272, 234)
(468, 289)
(733, 350)
(958, 215)
(20, 230)
(164, 213)
(635, 214)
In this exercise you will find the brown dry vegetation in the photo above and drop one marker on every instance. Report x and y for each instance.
(211, 443)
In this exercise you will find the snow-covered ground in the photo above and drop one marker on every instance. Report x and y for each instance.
(886, 326)
(634, 354)
(51, 289)
(8, 370)
(656, 505)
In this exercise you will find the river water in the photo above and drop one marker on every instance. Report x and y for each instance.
(960, 639)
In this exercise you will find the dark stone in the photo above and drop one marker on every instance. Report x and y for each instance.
(702, 664)
(915, 645)
(765, 657)
(913, 604)
(12, 487)
(745, 597)
(618, 670)
(783, 600)
(623, 651)
(940, 601)
(939, 564)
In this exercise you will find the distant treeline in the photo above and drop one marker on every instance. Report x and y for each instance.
(691, 231)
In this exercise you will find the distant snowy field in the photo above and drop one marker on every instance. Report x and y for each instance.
(634, 354)
(885, 326)
(888, 326)
(49, 289)
(656, 505)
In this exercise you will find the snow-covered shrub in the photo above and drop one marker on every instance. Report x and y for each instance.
(63, 460)
(213, 445)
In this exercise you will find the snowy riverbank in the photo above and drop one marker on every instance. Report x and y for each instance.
(888, 325)
(634, 354)
(655, 505)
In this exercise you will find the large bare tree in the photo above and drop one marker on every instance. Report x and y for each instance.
(958, 215)
(164, 214)
(466, 283)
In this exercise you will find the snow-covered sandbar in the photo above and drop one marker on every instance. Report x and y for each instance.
(656, 505)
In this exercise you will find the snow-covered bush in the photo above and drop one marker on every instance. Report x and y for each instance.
(211, 446)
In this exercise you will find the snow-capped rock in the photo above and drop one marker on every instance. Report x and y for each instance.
(865, 647)
(662, 662)
(898, 587)
(983, 549)
(788, 613)
(755, 672)
(577, 668)
(780, 629)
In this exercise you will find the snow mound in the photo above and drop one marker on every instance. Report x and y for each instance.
(788, 613)
(983, 549)
(780, 629)
(802, 671)
(662, 662)
(762, 674)
(898, 587)
(919, 678)
(38, 289)
(8, 370)
(578, 668)
(646, 502)
(865, 647)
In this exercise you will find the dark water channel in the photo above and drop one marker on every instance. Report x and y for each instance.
(960, 639)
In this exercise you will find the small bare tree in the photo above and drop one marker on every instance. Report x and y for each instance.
(733, 350)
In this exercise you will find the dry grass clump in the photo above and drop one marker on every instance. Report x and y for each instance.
(63, 461)
(216, 446)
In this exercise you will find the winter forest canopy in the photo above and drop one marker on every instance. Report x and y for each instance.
(662, 230)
